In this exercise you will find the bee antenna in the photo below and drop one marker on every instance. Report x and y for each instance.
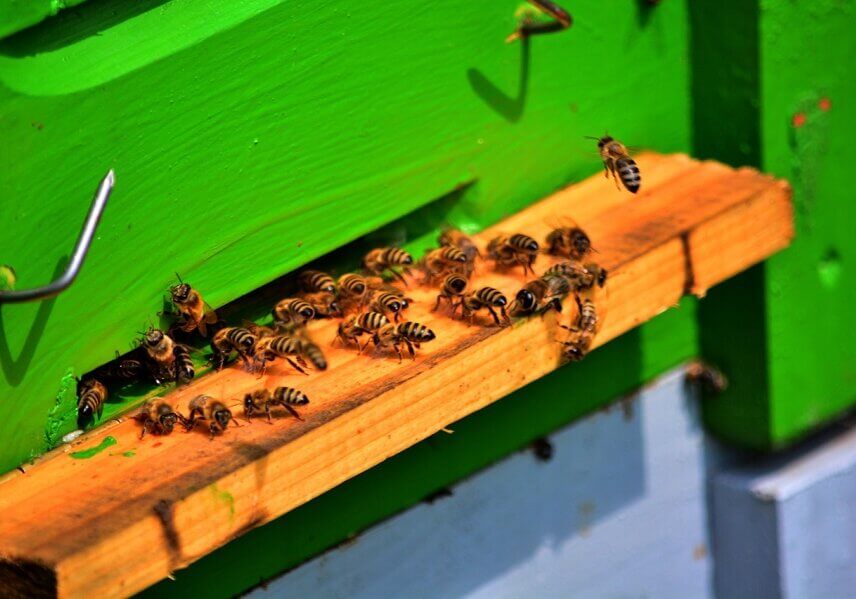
(591, 137)
(178, 276)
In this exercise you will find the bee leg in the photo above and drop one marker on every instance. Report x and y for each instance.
(293, 411)
(504, 315)
(398, 351)
(410, 348)
(437, 303)
(493, 314)
(212, 429)
(145, 429)
(295, 366)
(267, 411)
(606, 169)
(398, 276)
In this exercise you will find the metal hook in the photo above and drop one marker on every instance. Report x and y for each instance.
(77, 257)
(527, 28)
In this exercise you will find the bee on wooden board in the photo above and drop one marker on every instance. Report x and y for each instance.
(618, 163)
(158, 417)
(184, 370)
(443, 260)
(353, 327)
(213, 411)
(324, 303)
(263, 400)
(411, 334)
(584, 328)
(389, 303)
(579, 276)
(313, 281)
(233, 339)
(453, 288)
(576, 349)
(281, 346)
(541, 294)
(353, 286)
(569, 242)
(91, 394)
(383, 260)
(160, 349)
(511, 250)
(458, 239)
(194, 313)
(293, 311)
(484, 298)
(314, 354)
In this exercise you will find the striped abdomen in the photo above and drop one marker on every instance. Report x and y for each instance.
(293, 310)
(282, 345)
(450, 255)
(629, 173)
(454, 284)
(92, 395)
(389, 302)
(184, 371)
(352, 284)
(289, 396)
(314, 354)
(415, 332)
(490, 297)
(394, 256)
(588, 317)
(371, 321)
(315, 280)
(556, 285)
(523, 243)
(236, 338)
(568, 241)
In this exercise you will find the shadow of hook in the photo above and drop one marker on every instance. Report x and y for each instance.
(511, 108)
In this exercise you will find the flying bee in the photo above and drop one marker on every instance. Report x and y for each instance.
(411, 334)
(280, 346)
(314, 280)
(579, 277)
(484, 297)
(229, 339)
(385, 259)
(91, 395)
(158, 417)
(456, 238)
(184, 371)
(264, 400)
(544, 293)
(570, 242)
(444, 259)
(355, 326)
(160, 348)
(510, 251)
(293, 311)
(194, 312)
(453, 287)
(324, 303)
(388, 303)
(213, 411)
(314, 354)
(709, 378)
(618, 163)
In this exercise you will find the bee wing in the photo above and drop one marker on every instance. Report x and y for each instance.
(208, 315)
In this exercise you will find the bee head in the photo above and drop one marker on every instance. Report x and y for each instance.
(581, 241)
(167, 421)
(603, 141)
(180, 292)
(153, 337)
(526, 300)
(573, 352)
(222, 416)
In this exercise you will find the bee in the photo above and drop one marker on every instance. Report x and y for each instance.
(510, 251)
(313, 281)
(353, 285)
(158, 417)
(453, 287)
(160, 348)
(122, 370)
(584, 328)
(194, 312)
(355, 326)
(388, 303)
(576, 349)
(456, 238)
(314, 354)
(579, 277)
(384, 259)
(411, 334)
(710, 378)
(541, 294)
(213, 411)
(293, 311)
(570, 242)
(618, 163)
(324, 303)
(184, 371)
(91, 394)
(484, 297)
(287, 397)
(230, 339)
(280, 346)
(447, 258)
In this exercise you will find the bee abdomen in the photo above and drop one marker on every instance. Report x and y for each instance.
(588, 317)
(454, 284)
(240, 337)
(629, 173)
(91, 401)
(354, 284)
(285, 345)
(452, 254)
(290, 396)
(415, 331)
(184, 371)
(523, 242)
(371, 321)
(287, 309)
(315, 280)
(491, 296)
(315, 355)
(390, 301)
(397, 256)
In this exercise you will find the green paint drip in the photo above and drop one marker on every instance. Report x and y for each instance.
(64, 407)
(129, 454)
(226, 498)
(88, 453)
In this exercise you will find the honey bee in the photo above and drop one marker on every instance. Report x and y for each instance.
(355, 326)
(453, 287)
(510, 251)
(411, 334)
(158, 417)
(389, 303)
(456, 238)
(447, 258)
(194, 312)
(91, 394)
(293, 311)
(353, 285)
(230, 339)
(584, 329)
(313, 281)
(618, 163)
(576, 349)
(542, 294)
(122, 370)
(570, 242)
(324, 303)
(484, 297)
(384, 259)
(184, 371)
(213, 411)
(709, 378)
(264, 400)
(314, 354)
(280, 346)
(579, 277)
(160, 348)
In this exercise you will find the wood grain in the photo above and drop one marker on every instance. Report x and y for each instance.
(122, 523)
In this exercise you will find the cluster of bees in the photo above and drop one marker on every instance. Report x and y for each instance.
(370, 304)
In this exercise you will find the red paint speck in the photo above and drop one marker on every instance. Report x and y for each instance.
(799, 119)
(158, 444)
(824, 104)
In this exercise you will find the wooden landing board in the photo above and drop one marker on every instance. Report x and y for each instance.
(112, 525)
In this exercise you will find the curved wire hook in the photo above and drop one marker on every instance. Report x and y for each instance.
(563, 21)
(81, 248)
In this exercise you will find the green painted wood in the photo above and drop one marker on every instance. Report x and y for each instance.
(16, 15)
(781, 330)
(274, 132)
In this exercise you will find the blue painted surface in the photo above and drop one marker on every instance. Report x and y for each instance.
(620, 510)
(786, 527)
